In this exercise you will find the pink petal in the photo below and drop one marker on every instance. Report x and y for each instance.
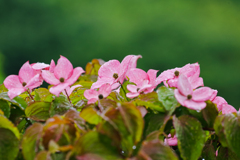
(26, 73)
(93, 100)
(12, 81)
(194, 105)
(132, 88)
(115, 85)
(129, 62)
(180, 98)
(190, 70)
(152, 74)
(145, 85)
(75, 75)
(171, 141)
(56, 90)
(184, 86)
(70, 90)
(165, 75)
(40, 66)
(197, 83)
(105, 90)
(173, 82)
(219, 101)
(226, 108)
(202, 94)
(102, 81)
(52, 66)
(214, 94)
(63, 68)
(91, 94)
(136, 75)
(50, 78)
(109, 68)
(132, 95)
(15, 92)
(36, 81)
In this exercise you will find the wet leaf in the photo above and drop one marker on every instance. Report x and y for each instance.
(210, 113)
(60, 105)
(4, 106)
(18, 101)
(38, 111)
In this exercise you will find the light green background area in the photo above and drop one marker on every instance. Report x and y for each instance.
(167, 33)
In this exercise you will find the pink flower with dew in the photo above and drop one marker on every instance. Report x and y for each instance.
(191, 71)
(93, 96)
(219, 101)
(171, 141)
(114, 73)
(69, 90)
(226, 108)
(192, 99)
(62, 76)
(145, 82)
(40, 66)
(27, 78)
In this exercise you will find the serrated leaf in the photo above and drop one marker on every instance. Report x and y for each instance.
(8, 144)
(94, 143)
(90, 115)
(191, 137)
(4, 106)
(38, 111)
(29, 141)
(166, 96)
(156, 150)
(210, 113)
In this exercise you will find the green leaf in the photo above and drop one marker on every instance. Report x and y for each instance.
(4, 106)
(210, 113)
(90, 115)
(226, 154)
(150, 101)
(18, 101)
(219, 130)
(231, 125)
(29, 141)
(5, 123)
(208, 152)
(38, 111)
(166, 96)
(191, 137)
(43, 155)
(92, 67)
(94, 144)
(124, 91)
(8, 144)
(42, 94)
(156, 150)
(60, 105)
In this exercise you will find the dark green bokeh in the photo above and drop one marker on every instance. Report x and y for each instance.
(167, 34)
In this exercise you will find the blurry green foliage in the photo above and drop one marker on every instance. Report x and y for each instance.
(167, 34)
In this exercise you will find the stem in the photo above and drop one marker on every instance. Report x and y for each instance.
(67, 96)
(30, 95)
(209, 129)
(100, 106)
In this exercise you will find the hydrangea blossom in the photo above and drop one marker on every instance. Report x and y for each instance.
(113, 72)
(62, 76)
(93, 96)
(191, 71)
(145, 82)
(192, 99)
(27, 78)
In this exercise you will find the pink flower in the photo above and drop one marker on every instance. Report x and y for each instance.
(93, 95)
(171, 141)
(189, 98)
(62, 76)
(69, 90)
(27, 78)
(191, 71)
(145, 82)
(113, 72)
(40, 66)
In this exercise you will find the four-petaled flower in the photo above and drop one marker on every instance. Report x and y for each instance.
(27, 78)
(62, 76)
(192, 99)
(93, 96)
(113, 72)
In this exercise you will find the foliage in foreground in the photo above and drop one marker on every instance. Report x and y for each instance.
(114, 111)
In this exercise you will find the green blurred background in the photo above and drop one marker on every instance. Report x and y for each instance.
(167, 33)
